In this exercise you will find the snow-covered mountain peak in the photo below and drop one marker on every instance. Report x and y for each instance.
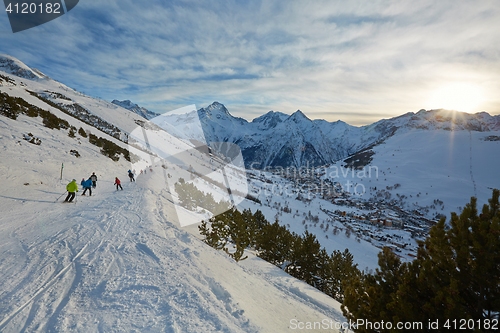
(217, 112)
(129, 105)
(269, 120)
(216, 105)
(450, 120)
(215, 109)
(16, 67)
(126, 103)
(298, 116)
(276, 139)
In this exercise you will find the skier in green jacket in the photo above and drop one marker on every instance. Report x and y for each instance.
(72, 187)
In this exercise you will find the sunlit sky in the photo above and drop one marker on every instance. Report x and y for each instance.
(358, 61)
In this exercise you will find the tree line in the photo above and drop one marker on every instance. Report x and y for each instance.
(301, 256)
(455, 275)
(12, 107)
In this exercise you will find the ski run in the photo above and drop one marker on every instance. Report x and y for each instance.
(114, 263)
(133, 261)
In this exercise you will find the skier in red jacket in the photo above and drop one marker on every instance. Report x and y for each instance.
(118, 184)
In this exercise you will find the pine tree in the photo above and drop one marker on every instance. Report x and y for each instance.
(274, 244)
(476, 243)
(82, 132)
(337, 272)
(456, 274)
(371, 297)
(216, 235)
(304, 258)
(249, 220)
(239, 234)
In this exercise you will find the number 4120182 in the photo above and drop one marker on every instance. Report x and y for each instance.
(34, 8)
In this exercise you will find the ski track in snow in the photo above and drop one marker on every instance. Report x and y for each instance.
(63, 256)
(104, 265)
(470, 159)
(80, 265)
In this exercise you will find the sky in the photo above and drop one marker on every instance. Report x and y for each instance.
(357, 61)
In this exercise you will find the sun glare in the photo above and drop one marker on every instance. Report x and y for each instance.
(457, 96)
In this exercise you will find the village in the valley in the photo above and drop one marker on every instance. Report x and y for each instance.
(379, 220)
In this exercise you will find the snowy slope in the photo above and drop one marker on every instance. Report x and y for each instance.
(113, 263)
(34, 81)
(15, 67)
(427, 167)
(119, 261)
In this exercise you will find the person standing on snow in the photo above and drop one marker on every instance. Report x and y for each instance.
(118, 184)
(131, 175)
(72, 187)
(87, 185)
(94, 179)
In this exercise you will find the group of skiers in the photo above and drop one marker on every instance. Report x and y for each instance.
(145, 171)
(87, 185)
(90, 184)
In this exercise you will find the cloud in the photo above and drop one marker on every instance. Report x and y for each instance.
(325, 58)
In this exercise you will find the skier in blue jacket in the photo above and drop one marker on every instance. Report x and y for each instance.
(87, 185)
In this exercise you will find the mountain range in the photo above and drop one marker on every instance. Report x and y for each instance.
(276, 139)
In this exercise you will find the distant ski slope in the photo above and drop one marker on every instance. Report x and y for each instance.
(450, 166)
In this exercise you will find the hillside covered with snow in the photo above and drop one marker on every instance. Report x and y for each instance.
(116, 261)
(134, 261)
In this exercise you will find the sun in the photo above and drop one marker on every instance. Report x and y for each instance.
(459, 96)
